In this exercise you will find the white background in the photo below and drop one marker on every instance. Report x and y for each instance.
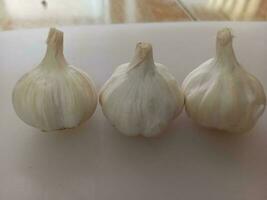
(94, 161)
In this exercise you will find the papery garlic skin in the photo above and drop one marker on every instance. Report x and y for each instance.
(54, 95)
(141, 97)
(220, 94)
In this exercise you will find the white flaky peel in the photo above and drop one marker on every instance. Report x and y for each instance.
(54, 95)
(220, 94)
(141, 97)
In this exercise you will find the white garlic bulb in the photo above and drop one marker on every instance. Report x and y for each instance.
(220, 94)
(141, 97)
(54, 95)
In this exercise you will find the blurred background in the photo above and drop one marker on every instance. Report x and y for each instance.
(39, 13)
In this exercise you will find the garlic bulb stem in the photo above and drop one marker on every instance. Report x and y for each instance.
(224, 48)
(143, 56)
(142, 62)
(54, 53)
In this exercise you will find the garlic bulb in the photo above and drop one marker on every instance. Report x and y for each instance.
(54, 95)
(141, 97)
(220, 94)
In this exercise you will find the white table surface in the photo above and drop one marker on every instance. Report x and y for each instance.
(94, 162)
